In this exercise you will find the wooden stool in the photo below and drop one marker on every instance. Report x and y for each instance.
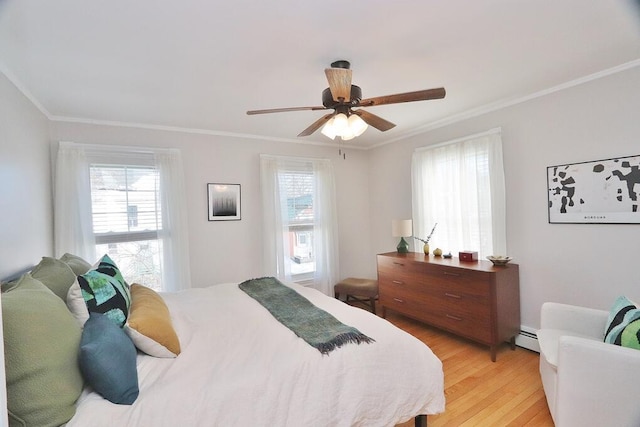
(364, 291)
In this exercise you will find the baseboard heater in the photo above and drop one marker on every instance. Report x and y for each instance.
(528, 339)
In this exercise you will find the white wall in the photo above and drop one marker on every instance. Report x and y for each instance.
(585, 264)
(224, 251)
(26, 222)
(26, 217)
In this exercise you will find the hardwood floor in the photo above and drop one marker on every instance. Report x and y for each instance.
(480, 392)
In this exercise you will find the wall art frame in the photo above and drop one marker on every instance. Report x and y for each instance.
(595, 192)
(224, 202)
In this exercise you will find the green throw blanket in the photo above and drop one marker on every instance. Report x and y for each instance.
(314, 325)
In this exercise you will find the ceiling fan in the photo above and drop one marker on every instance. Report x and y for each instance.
(342, 97)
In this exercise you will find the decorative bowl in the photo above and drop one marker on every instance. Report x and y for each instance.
(499, 259)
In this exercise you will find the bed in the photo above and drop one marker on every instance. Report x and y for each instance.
(238, 365)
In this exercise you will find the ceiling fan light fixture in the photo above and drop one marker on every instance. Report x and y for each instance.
(340, 123)
(348, 135)
(357, 125)
(329, 130)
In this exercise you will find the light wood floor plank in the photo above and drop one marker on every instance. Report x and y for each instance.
(480, 392)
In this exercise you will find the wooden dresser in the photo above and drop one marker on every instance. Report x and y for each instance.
(472, 299)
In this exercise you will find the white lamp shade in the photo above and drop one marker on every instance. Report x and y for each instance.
(340, 123)
(329, 129)
(357, 125)
(401, 227)
(347, 134)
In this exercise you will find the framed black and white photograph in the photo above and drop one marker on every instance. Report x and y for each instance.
(598, 192)
(224, 202)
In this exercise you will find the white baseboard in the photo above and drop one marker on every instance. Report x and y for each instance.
(528, 339)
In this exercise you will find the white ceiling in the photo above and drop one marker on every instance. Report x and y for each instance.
(199, 65)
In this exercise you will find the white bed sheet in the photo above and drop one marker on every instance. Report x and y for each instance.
(239, 366)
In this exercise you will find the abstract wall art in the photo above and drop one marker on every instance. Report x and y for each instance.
(598, 192)
(224, 202)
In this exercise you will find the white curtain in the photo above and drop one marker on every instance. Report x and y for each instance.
(276, 242)
(73, 230)
(73, 225)
(325, 228)
(174, 235)
(460, 186)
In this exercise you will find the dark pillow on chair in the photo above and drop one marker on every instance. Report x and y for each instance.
(108, 360)
(622, 324)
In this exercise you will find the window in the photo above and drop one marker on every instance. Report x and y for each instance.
(298, 188)
(127, 202)
(460, 186)
(300, 221)
(126, 217)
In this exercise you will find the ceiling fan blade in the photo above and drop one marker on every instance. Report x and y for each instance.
(283, 110)
(340, 83)
(316, 125)
(375, 121)
(420, 95)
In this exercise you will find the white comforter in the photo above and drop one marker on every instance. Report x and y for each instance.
(240, 367)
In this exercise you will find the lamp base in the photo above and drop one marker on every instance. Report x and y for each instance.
(403, 246)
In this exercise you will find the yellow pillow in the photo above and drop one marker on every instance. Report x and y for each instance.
(149, 323)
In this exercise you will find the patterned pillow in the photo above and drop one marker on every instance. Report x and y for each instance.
(108, 360)
(623, 324)
(100, 290)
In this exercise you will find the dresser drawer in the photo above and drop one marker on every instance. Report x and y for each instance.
(467, 282)
(418, 308)
(463, 323)
(400, 280)
(394, 266)
(470, 299)
(428, 309)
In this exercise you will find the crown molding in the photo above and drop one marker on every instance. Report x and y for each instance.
(509, 102)
(416, 131)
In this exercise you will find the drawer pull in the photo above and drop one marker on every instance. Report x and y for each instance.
(399, 263)
(398, 282)
(447, 294)
(398, 300)
(454, 317)
(446, 273)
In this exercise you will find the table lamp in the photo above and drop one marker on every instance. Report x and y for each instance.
(402, 228)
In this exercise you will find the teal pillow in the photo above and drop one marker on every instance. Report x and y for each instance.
(100, 290)
(41, 344)
(108, 360)
(77, 264)
(624, 314)
(55, 275)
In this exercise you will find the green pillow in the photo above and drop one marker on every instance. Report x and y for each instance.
(55, 275)
(77, 264)
(41, 344)
(623, 324)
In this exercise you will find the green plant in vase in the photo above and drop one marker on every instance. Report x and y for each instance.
(426, 241)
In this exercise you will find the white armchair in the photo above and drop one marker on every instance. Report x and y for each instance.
(587, 382)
